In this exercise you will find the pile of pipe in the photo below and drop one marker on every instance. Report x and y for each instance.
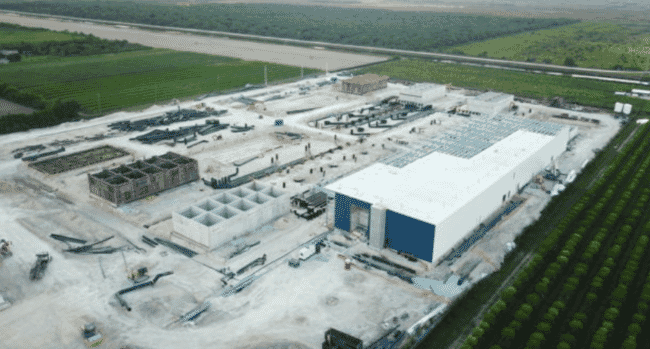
(244, 128)
(86, 249)
(178, 248)
(256, 262)
(169, 118)
(118, 295)
(381, 266)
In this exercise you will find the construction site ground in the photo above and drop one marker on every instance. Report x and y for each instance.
(284, 306)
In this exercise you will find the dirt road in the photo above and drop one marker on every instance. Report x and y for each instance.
(247, 50)
(7, 107)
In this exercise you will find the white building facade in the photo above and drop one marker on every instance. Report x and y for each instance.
(420, 95)
(489, 103)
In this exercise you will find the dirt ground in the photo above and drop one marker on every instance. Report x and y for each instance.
(283, 307)
(246, 50)
(7, 107)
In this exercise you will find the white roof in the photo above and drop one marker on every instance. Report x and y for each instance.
(493, 97)
(423, 87)
(618, 107)
(434, 187)
(627, 108)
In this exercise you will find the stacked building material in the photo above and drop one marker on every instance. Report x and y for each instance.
(168, 118)
(43, 153)
(119, 294)
(335, 339)
(244, 128)
(212, 127)
(178, 248)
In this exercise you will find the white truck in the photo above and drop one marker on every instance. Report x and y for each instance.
(307, 252)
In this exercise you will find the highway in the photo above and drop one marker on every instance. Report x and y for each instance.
(494, 63)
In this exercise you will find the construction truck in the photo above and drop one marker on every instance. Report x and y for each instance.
(91, 336)
(5, 250)
(42, 259)
(307, 252)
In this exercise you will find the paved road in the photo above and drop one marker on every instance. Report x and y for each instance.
(375, 50)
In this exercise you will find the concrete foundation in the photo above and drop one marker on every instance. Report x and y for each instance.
(217, 219)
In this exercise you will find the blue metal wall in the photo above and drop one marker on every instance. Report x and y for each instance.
(406, 234)
(342, 205)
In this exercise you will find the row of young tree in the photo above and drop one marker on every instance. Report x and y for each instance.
(426, 31)
(534, 310)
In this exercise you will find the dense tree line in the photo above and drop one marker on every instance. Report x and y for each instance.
(25, 98)
(549, 307)
(58, 112)
(369, 27)
(80, 45)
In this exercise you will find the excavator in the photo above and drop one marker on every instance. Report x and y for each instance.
(91, 336)
(5, 250)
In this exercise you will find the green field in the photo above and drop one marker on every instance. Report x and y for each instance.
(591, 45)
(530, 85)
(10, 36)
(115, 81)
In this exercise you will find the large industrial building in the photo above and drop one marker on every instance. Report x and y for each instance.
(489, 103)
(423, 202)
(419, 95)
(363, 84)
(140, 179)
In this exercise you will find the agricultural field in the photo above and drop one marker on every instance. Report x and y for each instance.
(102, 83)
(11, 35)
(605, 45)
(599, 94)
(586, 285)
(408, 30)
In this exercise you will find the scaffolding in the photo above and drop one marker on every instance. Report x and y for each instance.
(471, 138)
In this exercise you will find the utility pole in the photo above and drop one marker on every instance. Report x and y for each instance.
(99, 104)
(265, 81)
(156, 93)
(301, 72)
(326, 69)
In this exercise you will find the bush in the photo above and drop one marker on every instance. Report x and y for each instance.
(634, 329)
(629, 343)
(576, 324)
(570, 62)
(508, 332)
(611, 314)
(544, 327)
(478, 332)
(508, 293)
(533, 298)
